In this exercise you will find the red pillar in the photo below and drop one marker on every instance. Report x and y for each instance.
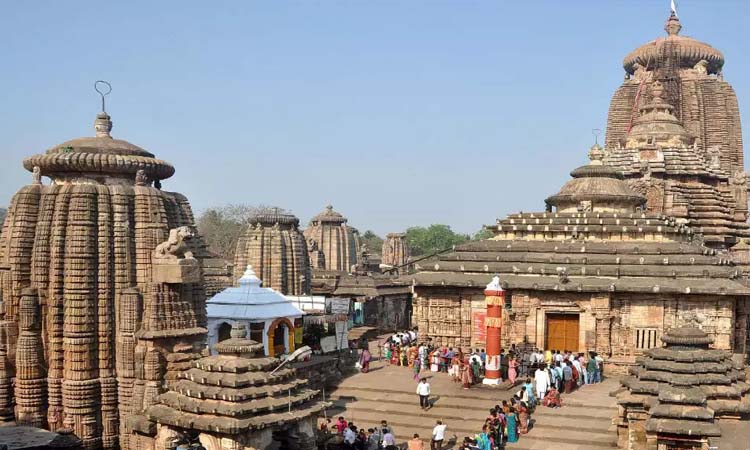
(495, 300)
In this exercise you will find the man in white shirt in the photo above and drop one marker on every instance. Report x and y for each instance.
(423, 390)
(438, 435)
(349, 436)
(389, 439)
(542, 382)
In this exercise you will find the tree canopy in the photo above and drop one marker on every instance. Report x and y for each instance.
(373, 241)
(222, 226)
(433, 239)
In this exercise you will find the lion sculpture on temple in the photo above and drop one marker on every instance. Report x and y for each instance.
(177, 245)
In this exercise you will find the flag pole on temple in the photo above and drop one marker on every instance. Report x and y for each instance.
(494, 297)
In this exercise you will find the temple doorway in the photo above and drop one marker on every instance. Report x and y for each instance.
(562, 332)
(280, 337)
(225, 331)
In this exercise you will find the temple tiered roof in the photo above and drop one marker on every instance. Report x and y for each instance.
(235, 392)
(690, 53)
(685, 385)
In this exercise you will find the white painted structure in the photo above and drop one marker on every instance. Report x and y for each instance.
(255, 307)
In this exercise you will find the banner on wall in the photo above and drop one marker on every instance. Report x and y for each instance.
(479, 334)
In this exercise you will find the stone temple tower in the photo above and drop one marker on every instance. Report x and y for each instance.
(674, 132)
(97, 271)
(276, 248)
(396, 252)
(339, 243)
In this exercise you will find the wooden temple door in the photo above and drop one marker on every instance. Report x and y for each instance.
(562, 332)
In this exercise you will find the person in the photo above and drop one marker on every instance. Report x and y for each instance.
(325, 426)
(568, 380)
(373, 439)
(476, 369)
(404, 356)
(438, 435)
(542, 381)
(389, 440)
(350, 436)
(423, 390)
(394, 355)
(559, 376)
(599, 367)
(341, 425)
(578, 370)
(552, 399)
(361, 442)
(511, 421)
(387, 346)
(413, 355)
(416, 367)
(415, 443)
(523, 418)
(483, 440)
(512, 370)
(435, 361)
(503, 365)
(591, 368)
(529, 388)
(548, 358)
(465, 373)
(364, 361)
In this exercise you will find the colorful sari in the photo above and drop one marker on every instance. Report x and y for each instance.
(512, 432)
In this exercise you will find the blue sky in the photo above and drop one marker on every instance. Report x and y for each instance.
(397, 113)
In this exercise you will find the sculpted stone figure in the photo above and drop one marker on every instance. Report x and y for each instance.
(176, 246)
(36, 175)
(141, 179)
(701, 67)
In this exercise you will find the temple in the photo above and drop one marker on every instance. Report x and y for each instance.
(594, 272)
(635, 243)
(100, 281)
(677, 395)
(396, 252)
(276, 248)
(674, 132)
(237, 399)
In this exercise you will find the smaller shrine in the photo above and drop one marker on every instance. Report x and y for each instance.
(237, 399)
(678, 395)
(271, 318)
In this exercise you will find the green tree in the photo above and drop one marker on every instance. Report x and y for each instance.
(373, 241)
(433, 239)
(222, 226)
(482, 234)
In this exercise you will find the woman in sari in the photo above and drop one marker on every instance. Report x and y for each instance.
(465, 374)
(511, 421)
(417, 366)
(387, 346)
(364, 361)
(404, 356)
(528, 386)
(512, 370)
(483, 440)
(413, 355)
(523, 418)
(395, 355)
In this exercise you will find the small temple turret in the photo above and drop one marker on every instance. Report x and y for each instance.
(396, 252)
(338, 242)
(595, 188)
(274, 245)
(237, 399)
(676, 393)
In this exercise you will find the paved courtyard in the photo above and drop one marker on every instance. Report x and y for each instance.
(388, 392)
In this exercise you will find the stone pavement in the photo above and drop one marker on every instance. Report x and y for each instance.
(388, 392)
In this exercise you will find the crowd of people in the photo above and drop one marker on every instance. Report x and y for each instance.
(546, 375)
(381, 437)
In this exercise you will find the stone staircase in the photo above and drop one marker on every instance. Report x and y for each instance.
(584, 423)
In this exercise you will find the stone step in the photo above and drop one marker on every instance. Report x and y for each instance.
(536, 439)
(546, 417)
(573, 407)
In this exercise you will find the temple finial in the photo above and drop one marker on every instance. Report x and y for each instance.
(673, 25)
(103, 122)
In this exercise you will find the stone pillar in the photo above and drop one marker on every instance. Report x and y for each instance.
(6, 377)
(495, 300)
(30, 384)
